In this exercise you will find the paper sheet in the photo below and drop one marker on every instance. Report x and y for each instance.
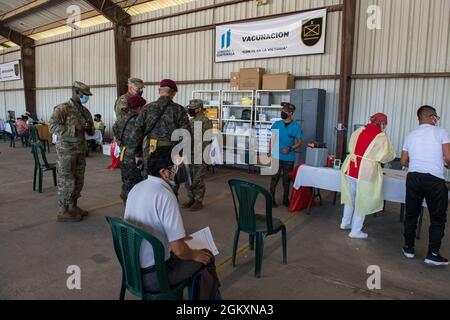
(203, 240)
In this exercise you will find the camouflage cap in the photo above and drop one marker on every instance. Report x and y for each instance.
(288, 106)
(195, 103)
(82, 87)
(138, 83)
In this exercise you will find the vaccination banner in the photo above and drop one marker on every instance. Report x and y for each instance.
(291, 35)
(10, 71)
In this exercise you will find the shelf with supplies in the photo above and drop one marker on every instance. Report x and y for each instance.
(237, 112)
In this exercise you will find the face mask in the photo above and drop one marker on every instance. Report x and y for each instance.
(192, 112)
(172, 183)
(436, 121)
(284, 115)
(84, 99)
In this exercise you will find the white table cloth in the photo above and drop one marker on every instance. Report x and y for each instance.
(394, 184)
(8, 128)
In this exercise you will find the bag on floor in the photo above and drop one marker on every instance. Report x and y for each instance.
(115, 156)
(300, 198)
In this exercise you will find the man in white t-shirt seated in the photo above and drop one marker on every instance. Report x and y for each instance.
(152, 206)
(425, 152)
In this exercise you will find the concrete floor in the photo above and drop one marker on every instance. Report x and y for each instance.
(323, 263)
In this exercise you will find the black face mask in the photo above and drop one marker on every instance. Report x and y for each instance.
(284, 115)
(192, 112)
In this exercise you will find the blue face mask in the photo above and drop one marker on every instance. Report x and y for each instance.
(84, 99)
(172, 183)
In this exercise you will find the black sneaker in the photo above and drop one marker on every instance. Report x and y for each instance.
(435, 260)
(409, 252)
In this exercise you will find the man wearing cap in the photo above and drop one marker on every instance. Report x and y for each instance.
(135, 88)
(362, 177)
(286, 138)
(156, 123)
(70, 121)
(196, 191)
(125, 134)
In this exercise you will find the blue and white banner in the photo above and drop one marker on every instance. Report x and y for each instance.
(292, 35)
(10, 71)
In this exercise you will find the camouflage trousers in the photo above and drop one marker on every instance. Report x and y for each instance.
(198, 189)
(71, 168)
(131, 175)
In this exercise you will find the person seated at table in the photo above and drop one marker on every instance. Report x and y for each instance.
(362, 176)
(23, 129)
(98, 124)
(32, 118)
(425, 152)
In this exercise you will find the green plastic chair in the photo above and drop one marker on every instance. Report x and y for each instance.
(38, 154)
(256, 225)
(127, 244)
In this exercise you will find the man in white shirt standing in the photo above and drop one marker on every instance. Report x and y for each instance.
(425, 152)
(152, 206)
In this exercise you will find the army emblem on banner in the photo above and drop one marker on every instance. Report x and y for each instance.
(312, 31)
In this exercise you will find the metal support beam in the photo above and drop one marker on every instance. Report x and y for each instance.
(348, 33)
(122, 39)
(25, 9)
(28, 56)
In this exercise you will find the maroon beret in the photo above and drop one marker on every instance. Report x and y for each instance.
(169, 83)
(136, 101)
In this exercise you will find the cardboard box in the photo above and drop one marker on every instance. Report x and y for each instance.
(251, 78)
(278, 81)
(212, 113)
(234, 81)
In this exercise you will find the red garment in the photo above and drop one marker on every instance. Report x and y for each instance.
(300, 198)
(115, 161)
(379, 119)
(366, 137)
(22, 127)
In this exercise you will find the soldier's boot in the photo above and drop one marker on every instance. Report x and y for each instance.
(77, 210)
(197, 206)
(64, 215)
(188, 203)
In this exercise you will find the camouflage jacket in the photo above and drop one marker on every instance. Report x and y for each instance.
(126, 136)
(206, 125)
(174, 117)
(121, 105)
(69, 122)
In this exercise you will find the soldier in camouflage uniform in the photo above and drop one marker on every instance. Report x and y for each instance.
(196, 191)
(125, 133)
(70, 121)
(162, 118)
(135, 88)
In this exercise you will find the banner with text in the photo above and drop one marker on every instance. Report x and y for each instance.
(292, 35)
(10, 71)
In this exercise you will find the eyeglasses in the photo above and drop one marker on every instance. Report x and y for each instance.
(437, 117)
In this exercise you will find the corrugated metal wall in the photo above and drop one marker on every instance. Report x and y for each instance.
(14, 99)
(89, 59)
(415, 38)
(191, 56)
